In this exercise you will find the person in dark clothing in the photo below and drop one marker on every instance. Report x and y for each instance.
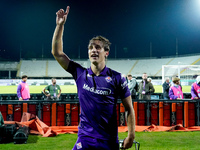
(145, 88)
(166, 85)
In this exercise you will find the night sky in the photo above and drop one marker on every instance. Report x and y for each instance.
(130, 25)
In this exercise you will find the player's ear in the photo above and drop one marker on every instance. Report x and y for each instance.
(107, 53)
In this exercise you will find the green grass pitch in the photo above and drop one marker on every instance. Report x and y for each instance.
(147, 140)
(68, 89)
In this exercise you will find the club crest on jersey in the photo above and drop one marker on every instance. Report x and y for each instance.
(79, 145)
(108, 79)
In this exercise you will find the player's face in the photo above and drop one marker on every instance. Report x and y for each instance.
(96, 52)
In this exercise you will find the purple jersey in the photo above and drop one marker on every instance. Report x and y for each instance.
(98, 98)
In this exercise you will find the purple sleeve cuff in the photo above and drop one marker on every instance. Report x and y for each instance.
(19, 91)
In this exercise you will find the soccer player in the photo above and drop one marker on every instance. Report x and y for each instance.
(23, 89)
(98, 89)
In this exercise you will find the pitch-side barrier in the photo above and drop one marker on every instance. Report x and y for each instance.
(65, 112)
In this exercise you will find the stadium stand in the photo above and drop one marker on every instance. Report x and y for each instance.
(122, 66)
(8, 66)
(32, 68)
(50, 68)
(54, 69)
(190, 60)
(8, 69)
(149, 66)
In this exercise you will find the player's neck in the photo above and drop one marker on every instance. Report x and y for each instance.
(97, 68)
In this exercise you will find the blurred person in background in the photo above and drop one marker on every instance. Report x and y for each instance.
(98, 89)
(149, 80)
(145, 88)
(23, 92)
(175, 91)
(132, 85)
(166, 85)
(195, 89)
(52, 91)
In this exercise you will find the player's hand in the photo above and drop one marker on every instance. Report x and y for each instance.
(48, 95)
(20, 98)
(178, 98)
(128, 142)
(62, 16)
(196, 98)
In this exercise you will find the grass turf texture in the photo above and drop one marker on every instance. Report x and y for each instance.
(68, 89)
(147, 140)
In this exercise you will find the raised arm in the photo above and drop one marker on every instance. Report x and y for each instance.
(57, 41)
(130, 117)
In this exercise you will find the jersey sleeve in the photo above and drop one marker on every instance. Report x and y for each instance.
(58, 87)
(75, 69)
(47, 88)
(123, 88)
(19, 91)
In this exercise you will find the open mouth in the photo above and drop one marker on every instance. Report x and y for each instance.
(94, 56)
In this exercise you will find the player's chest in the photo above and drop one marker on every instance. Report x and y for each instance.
(102, 85)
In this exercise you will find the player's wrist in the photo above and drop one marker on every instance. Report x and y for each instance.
(60, 25)
(131, 136)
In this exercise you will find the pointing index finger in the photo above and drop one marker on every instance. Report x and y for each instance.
(67, 10)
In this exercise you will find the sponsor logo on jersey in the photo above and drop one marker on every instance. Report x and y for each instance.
(99, 90)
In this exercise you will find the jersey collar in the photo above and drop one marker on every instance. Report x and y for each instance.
(103, 72)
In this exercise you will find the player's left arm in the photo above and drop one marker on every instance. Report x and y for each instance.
(130, 118)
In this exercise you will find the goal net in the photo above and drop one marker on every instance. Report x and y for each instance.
(187, 73)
